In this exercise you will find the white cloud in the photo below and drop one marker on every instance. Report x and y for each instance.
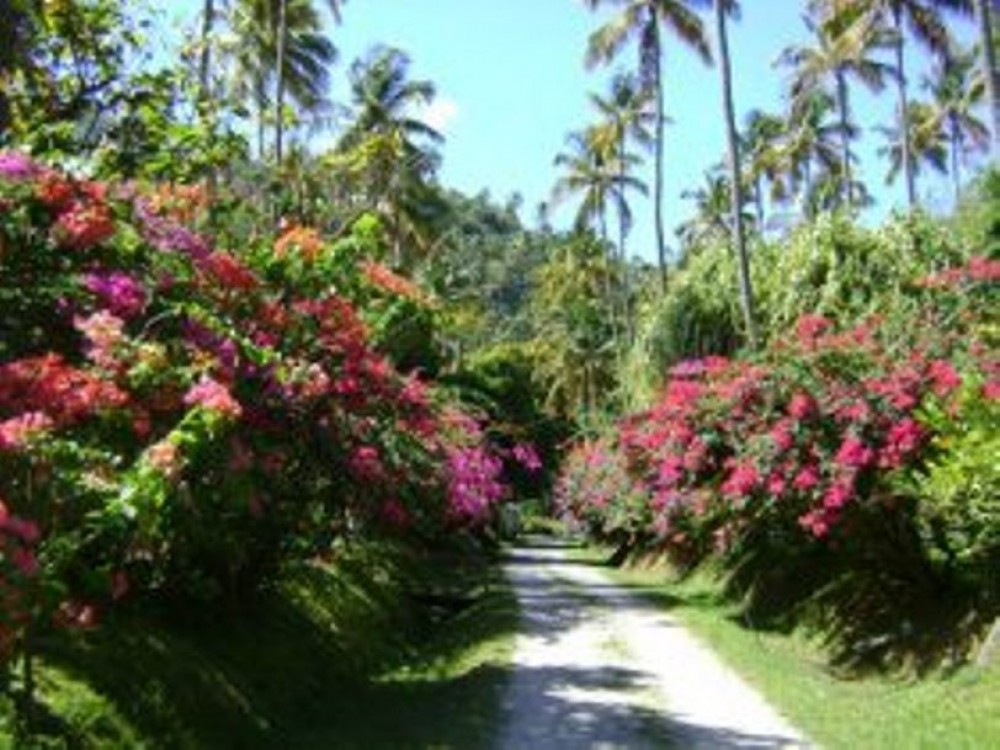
(439, 114)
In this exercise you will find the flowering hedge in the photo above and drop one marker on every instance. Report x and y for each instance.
(180, 417)
(876, 446)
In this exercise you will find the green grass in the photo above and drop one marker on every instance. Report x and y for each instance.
(357, 654)
(939, 711)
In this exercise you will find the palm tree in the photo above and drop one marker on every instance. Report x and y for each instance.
(724, 8)
(592, 171)
(397, 151)
(927, 143)
(282, 45)
(762, 138)
(924, 19)
(207, 22)
(844, 45)
(810, 153)
(643, 21)
(990, 72)
(306, 56)
(956, 94)
(626, 116)
(713, 211)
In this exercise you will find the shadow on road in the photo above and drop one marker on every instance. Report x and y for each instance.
(562, 704)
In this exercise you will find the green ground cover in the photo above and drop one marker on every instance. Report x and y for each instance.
(380, 648)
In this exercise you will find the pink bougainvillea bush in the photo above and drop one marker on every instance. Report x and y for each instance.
(180, 417)
(840, 455)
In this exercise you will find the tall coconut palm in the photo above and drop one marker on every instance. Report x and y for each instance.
(809, 155)
(956, 94)
(924, 19)
(204, 66)
(845, 43)
(762, 138)
(384, 101)
(626, 116)
(397, 150)
(282, 48)
(985, 10)
(711, 221)
(723, 9)
(306, 58)
(927, 143)
(592, 171)
(643, 21)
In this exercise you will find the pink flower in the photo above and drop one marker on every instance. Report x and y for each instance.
(25, 561)
(105, 334)
(215, 397)
(16, 432)
(807, 478)
(366, 463)
(854, 453)
(984, 269)
(817, 522)
(802, 406)
(26, 531)
(526, 455)
(782, 436)
(696, 455)
(671, 470)
(944, 379)
(902, 440)
(777, 484)
(838, 495)
(16, 167)
(741, 481)
(809, 328)
(117, 291)
(991, 390)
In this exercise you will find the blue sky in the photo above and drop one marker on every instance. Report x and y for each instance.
(511, 83)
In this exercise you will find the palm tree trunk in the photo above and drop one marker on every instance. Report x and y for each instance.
(990, 73)
(845, 138)
(207, 22)
(735, 178)
(956, 142)
(279, 73)
(622, 256)
(806, 188)
(661, 247)
(758, 199)
(204, 99)
(904, 108)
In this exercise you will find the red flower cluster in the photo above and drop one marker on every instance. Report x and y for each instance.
(48, 386)
(978, 269)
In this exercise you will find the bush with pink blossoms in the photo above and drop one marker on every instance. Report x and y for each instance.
(180, 420)
(848, 472)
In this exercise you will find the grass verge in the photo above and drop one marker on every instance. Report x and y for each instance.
(384, 648)
(955, 711)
